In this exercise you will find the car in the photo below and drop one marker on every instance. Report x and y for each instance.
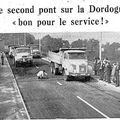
(36, 54)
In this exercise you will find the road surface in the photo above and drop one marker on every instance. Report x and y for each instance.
(54, 98)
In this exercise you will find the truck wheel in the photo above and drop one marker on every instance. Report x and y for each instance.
(14, 61)
(60, 70)
(55, 71)
(31, 63)
(51, 68)
(16, 64)
(87, 78)
(67, 78)
(63, 71)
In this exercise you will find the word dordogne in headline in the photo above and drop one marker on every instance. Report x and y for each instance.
(92, 9)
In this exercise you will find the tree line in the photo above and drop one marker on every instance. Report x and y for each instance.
(48, 43)
(111, 51)
(52, 44)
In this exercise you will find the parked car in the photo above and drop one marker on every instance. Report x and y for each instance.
(36, 54)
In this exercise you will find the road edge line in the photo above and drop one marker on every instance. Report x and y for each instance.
(93, 107)
(18, 90)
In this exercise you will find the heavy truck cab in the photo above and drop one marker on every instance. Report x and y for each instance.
(73, 60)
(23, 55)
(70, 62)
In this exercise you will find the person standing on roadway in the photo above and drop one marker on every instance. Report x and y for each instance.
(107, 71)
(113, 72)
(42, 74)
(96, 66)
(117, 74)
(2, 58)
(101, 69)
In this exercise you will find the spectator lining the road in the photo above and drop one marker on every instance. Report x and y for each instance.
(42, 74)
(108, 72)
(117, 74)
(101, 70)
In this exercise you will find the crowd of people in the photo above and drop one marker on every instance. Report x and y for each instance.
(107, 71)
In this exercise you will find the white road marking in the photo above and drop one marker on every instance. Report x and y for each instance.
(93, 107)
(36, 66)
(59, 83)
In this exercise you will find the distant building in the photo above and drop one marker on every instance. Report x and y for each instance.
(1, 45)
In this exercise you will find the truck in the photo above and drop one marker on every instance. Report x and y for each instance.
(23, 54)
(12, 50)
(71, 62)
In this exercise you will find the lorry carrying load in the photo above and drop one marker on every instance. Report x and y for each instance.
(23, 54)
(72, 62)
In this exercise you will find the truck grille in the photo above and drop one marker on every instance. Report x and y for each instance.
(82, 68)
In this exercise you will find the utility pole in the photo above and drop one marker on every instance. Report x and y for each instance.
(100, 46)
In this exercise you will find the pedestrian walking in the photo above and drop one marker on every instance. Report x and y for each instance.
(117, 74)
(2, 58)
(42, 74)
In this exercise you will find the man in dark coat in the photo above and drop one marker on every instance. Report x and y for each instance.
(101, 69)
(107, 71)
(95, 66)
(2, 58)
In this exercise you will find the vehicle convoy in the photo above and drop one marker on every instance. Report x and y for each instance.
(72, 62)
(23, 55)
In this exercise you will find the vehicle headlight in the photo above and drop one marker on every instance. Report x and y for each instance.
(72, 68)
(19, 59)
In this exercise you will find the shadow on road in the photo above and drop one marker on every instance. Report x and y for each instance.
(83, 79)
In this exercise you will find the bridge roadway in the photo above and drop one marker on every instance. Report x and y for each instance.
(55, 98)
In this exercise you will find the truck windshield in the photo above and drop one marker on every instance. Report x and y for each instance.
(23, 50)
(77, 56)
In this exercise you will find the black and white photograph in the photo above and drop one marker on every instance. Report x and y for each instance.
(60, 75)
(59, 59)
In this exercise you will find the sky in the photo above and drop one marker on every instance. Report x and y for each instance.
(101, 36)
